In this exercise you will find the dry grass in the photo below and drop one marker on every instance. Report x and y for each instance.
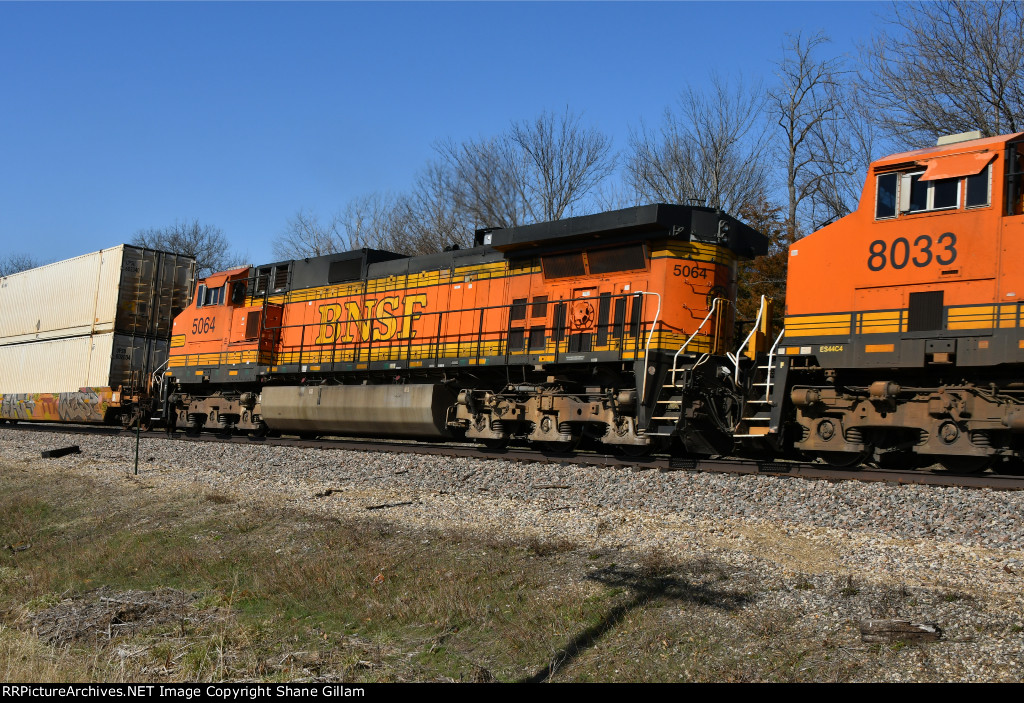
(258, 592)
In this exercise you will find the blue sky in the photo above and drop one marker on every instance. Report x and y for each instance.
(120, 116)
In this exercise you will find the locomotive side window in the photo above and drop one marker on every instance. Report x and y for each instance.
(915, 192)
(978, 188)
(946, 193)
(214, 296)
(885, 196)
(209, 296)
(917, 195)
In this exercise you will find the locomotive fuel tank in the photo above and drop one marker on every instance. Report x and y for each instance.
(407, 410)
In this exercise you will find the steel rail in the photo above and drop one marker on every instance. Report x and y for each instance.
(731, 465)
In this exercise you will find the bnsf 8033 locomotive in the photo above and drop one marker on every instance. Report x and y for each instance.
(904, 333)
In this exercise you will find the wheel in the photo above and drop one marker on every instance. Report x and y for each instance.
(495, 445)
(844, 460)
(559, 447)
(130, 419)
(639, 451)
(1010, 466)
(633, 451)
(965, 464)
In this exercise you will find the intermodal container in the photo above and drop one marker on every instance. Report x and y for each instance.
(123, 289)
(106, 360)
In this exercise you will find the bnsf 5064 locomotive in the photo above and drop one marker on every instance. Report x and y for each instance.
(905, 328)
(612, 326)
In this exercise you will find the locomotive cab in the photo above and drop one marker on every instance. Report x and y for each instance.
(217, 314)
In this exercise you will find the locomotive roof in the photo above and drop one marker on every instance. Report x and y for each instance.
(686, 222)
(985, 144)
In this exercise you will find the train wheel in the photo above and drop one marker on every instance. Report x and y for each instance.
(495, 445)
(965, 464)
(559, 447)
(260, 431)
(639, 451)
(1010, 466)
(845, 460)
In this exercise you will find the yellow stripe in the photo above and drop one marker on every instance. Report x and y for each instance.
(1007, 316)
(177, 340)
(841, 317)
(812, 331)
(873, 348)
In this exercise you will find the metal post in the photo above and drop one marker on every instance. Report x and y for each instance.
(138, 432)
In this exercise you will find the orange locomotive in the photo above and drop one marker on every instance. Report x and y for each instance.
(904, 322)
(614, 326)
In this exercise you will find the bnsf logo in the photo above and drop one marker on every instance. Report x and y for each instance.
(382, 319)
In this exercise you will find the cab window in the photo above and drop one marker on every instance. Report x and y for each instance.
(919, 196)
(209, 296)
(978, 188)
(885, 196)
(904, 193)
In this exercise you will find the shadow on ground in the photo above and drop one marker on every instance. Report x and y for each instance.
(647, 584)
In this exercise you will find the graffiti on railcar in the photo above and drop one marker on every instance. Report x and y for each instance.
(86, 405)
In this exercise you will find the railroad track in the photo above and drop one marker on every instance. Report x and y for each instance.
(733, 465)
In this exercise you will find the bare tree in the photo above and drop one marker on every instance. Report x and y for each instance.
(614, 195)
(712, 150)
(428, 219)
(536, 171)
(844, 146)
(15, 263)
(206, 243)
(484, 177)
(306, 236)
(806, 103)
(948, 67)
(562, 161)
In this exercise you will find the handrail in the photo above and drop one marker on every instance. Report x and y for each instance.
(675, 358)
(735, 358)
(771, 365)
(647, 347)
(156, 372)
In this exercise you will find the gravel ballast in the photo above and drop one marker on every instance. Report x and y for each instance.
(833, 552)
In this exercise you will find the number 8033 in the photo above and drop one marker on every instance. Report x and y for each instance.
(923, 252)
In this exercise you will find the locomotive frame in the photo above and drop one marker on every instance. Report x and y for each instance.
(548, 333)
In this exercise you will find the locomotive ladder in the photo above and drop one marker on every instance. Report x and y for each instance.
(758, 423)
(668, 408)
(756, 414)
